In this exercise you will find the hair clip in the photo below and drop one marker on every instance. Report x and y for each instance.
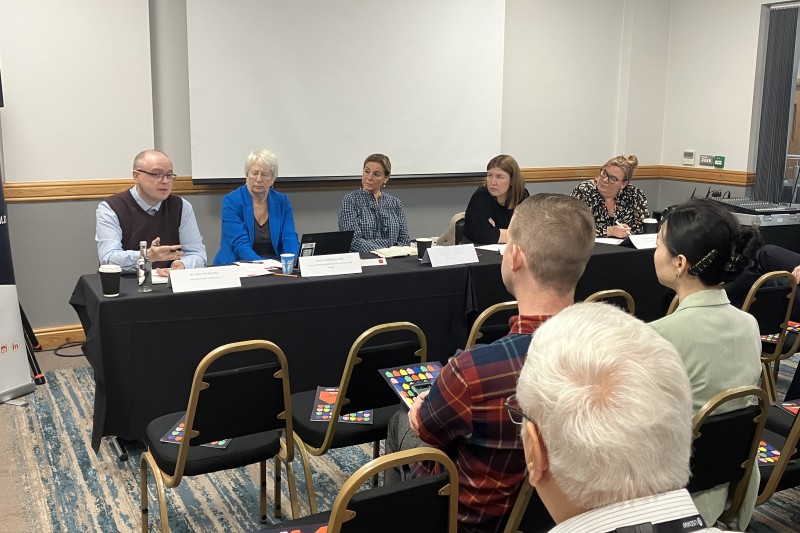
(736, 259)
(703, 264)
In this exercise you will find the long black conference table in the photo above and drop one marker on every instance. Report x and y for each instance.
(144, 348)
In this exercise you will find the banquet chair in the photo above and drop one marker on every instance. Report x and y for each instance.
(489, 327)
(725, 445)
(770, 301)
(426, 503)
(361, 387)
(614, 297)
(454, 233)
(529, 515)
(673, 305)
(782, 433)
(246, 404)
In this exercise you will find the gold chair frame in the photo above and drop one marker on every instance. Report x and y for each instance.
(520, 506)
(285, 455)
(341, 514)
(602, 296)
(788, 450)
(771, 361)
(475, 331)
(673, 305)
(341, 398)
(750, 463)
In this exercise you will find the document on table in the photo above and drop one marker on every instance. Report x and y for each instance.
(608, 240)
(499, 248)
(257, 268)
(377, 261)
(395, 251)
(644, 241)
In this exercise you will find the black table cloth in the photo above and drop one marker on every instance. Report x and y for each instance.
(144, 347)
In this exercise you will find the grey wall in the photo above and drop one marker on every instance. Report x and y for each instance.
(53, 242)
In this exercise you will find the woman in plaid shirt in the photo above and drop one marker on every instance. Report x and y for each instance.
(377, 218)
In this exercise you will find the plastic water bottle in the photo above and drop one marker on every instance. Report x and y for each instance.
(144, 269)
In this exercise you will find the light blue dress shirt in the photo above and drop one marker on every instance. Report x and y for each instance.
(108, 234)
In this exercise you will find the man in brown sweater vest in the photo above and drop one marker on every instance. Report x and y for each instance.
(149, 212)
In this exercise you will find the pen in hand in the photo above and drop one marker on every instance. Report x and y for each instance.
(625, 228)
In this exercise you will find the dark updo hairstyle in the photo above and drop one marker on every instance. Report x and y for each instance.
(706, 233)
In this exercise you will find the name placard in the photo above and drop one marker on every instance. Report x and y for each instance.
(204, 279)
(330, 265)
(643, 241)
(461, 254)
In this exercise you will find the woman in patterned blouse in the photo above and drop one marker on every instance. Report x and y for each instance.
(618, 207)
(377, 218)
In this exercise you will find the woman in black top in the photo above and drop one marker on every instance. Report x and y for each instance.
(491, 206)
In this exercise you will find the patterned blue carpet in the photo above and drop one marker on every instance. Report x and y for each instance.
(75, 490)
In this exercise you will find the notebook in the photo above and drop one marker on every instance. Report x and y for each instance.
(331, 242)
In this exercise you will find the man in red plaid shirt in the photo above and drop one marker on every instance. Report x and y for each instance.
(551, 237)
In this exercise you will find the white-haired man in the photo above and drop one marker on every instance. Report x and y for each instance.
(550, 240)
(605, 408)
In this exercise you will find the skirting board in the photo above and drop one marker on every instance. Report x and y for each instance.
(53, 337)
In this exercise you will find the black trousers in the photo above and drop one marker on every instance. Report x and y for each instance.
(769, 259)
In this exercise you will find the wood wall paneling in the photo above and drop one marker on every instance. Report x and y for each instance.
(48, 191)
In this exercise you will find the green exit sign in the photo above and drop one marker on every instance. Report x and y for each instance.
(719, 161)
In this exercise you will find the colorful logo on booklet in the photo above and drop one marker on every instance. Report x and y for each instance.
(177, 434)
(323, 408)
(408, 382)
(767, 454)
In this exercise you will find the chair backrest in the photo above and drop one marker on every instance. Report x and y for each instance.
(487, 327)
(725, 445)
(673, 305)
(431, 502)
(459, 229)
(252, 396)
(616, 297)
(770, 301)
(529, 515)
(362, 386)
(454, 233)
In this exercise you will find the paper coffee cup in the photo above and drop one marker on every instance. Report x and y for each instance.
(423, 243)
(109, 279)
(650, 225)
(287, 263)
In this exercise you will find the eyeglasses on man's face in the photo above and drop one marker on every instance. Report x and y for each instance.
(611, 179)
(515, 411)
(159, 175)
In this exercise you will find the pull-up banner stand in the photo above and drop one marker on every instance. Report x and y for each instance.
(15, 377)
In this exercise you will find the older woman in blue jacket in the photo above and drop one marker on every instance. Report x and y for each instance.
(257, 221)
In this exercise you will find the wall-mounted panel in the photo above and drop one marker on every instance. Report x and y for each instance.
(77, 88)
